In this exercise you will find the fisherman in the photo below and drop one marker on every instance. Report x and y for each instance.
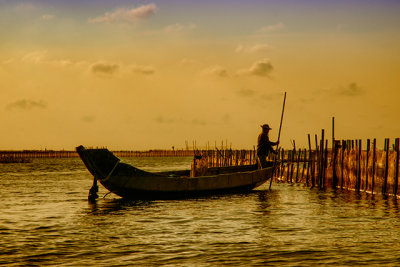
(264, 146)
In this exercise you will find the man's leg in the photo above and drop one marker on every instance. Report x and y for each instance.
(262, 161)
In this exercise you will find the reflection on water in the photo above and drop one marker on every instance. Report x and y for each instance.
(45, 219)
(116, 205)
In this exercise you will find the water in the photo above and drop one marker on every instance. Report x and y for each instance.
(45, 219)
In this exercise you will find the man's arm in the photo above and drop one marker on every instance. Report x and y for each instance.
(275, 143)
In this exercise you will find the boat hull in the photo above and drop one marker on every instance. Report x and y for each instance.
(133, 183)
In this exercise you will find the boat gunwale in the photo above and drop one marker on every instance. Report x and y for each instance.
(115, 176)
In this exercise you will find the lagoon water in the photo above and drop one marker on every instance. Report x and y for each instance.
(45, 219)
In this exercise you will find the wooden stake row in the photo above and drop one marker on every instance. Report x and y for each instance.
(347, 166)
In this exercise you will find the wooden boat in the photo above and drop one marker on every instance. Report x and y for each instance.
(130, 182)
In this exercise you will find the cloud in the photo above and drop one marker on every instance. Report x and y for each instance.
(252, 49)
(178, 28)
(226, 118)
(146, 70)
(187, 61)
(246, 92)
(126, 14)
(35, 57)
(65, 63)
(88, 118)
(104, 68)
(47, 17)
(25, 104)
(8, 61)
(25, 8)
(260, 68)
(195, 121)
(272, 28)
(216, 70)
(161, 119)
(352, 89)
(199, 122)
(41, 57)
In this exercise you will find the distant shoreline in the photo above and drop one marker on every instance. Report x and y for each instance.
(27, 154)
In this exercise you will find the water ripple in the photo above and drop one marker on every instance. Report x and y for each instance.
(45, 219)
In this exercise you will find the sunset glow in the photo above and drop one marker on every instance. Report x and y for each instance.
(154, 74)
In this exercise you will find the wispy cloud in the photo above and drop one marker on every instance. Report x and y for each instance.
(89, 118)
(177, 29)
(126, 14)
(216, 70)
(226, 118)
(47, 17)
(170, 120)
(99, 67)
(163, 120)
(350, 90)
(246, 92)
(252, 49)
(272, 28)
(25, 7)
(199, 122)
(104, 68)
(353, 89)
(26, 104)
(146, 70)
(187, 61)
(35, 57)
(261, 68)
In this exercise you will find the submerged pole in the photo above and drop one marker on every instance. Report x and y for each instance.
(396, 172)
(325, 163)
(334, 163)
(358, 183)
(93, 191)
(317, 170)
(373, 166)
(384, 186)
(343, 148)
(309, 159)
(334, 178)
(298, 165)
(366, 164)
(321, 163)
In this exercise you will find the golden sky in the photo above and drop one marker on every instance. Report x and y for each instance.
(155, 74)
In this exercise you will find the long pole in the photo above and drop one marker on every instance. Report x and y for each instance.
(279, 133)
(283, 110)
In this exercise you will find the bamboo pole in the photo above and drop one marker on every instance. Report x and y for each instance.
(358, 182)
(396, 174)
(342, 150)
(321, 159)
(308, 162)
(334, 177)
(288, 164)
(366, 164)
(283, 110)
(325, 164)
(282, 163)
(334, 163)
(309, 159)
(297, 165)
(304, 163)
(316, 169)
(373, 166)
(313, 154)
(384, 186)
